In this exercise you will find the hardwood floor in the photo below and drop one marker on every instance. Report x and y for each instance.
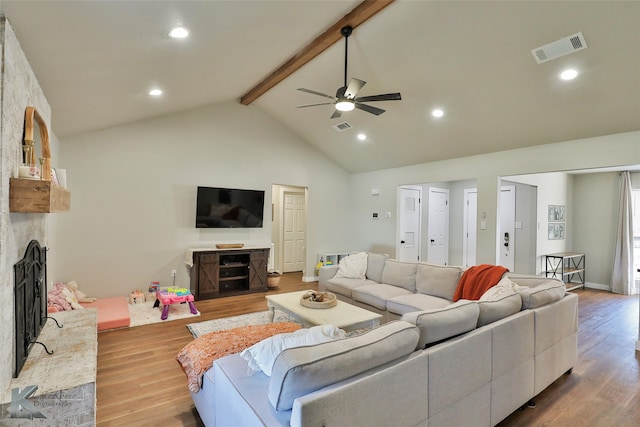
(139, 382)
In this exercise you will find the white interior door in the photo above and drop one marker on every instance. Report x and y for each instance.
(470, 227)
(409, 203)
(438, 226)
(506, 239)
(295, 242)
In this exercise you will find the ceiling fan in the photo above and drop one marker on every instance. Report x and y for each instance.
(346, 97)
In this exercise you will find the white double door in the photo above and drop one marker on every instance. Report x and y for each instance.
(410, 225)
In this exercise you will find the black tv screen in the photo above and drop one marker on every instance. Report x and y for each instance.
(229, 208)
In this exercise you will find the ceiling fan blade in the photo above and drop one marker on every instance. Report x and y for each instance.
(316, 93)
(336, 114)
(313, 105)
(353, 88)
(384, 97)
(370, 109)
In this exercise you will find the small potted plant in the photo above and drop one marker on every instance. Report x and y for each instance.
(273, 278)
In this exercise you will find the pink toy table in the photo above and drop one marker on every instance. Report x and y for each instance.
(167, 298)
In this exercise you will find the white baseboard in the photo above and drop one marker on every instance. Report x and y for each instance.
(310, 278)
(637, 345)
(598, 286)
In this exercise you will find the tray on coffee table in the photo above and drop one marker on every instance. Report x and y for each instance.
(344, 315)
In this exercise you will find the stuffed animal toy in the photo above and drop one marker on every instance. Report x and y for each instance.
(71, 298)
(79, 295)
(56, 298)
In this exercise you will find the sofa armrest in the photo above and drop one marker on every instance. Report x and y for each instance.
(326, 273)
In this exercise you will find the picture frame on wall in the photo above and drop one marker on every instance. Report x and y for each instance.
(556, 231)
(556, 213)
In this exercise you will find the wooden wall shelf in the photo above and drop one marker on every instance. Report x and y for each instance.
(35, 196)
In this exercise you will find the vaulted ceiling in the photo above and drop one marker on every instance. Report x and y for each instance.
(96, 61)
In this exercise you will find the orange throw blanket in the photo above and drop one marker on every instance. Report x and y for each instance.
(476, 280)
(198, 356)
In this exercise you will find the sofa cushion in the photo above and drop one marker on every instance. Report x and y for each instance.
(377, 295)
(439, 324)
(401, 274)
(261, 355)
(503, 288)
(490, 311)
(301, 370)
(542, 294)
(437, 280)
(375, 266)
(353, 266)
(415, 302)
(345, 286)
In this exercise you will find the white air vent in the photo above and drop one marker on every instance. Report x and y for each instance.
(559, 48)
(341, 127)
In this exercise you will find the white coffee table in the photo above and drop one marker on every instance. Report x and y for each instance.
(343, 315)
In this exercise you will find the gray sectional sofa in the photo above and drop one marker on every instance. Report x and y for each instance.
(467, 363)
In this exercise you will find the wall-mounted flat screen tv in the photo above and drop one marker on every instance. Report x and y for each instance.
(229, 208)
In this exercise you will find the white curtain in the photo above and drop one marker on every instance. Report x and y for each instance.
(622, 277)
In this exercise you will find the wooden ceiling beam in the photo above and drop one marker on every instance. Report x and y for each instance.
(357, 16)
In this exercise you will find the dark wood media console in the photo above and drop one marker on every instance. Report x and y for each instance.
(221, 273)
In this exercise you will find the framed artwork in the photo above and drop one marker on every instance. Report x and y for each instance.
(556, 213)
(556, 231)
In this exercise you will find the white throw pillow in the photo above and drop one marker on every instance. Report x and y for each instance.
(353, 266)
(262, 355)
(500, 290)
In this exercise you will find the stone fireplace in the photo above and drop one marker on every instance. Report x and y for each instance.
(20, 88)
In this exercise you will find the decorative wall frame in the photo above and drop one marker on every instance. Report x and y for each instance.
(31, 119)
(556, 215)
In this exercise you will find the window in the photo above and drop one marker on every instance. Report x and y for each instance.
(636, 234)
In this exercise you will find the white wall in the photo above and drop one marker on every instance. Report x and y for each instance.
(554, 188)
(606, 151)
(595, 218)
(133, 191)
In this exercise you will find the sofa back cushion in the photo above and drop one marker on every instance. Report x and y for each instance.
(504, 306)
(375, 266)
(302, 370)
(542, 294)
(439, 324)
(437, 280)
(401, 274)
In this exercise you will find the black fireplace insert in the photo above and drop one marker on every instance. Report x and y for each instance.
(30, 275)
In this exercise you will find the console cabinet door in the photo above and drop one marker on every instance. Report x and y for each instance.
(258, 270)
(207, 271)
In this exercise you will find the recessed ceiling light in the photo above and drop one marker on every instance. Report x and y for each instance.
(155, 92)
(437, 113)
(569, 74)
(179, 33)
(362, 136)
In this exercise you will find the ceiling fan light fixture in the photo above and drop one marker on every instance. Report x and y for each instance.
(345, 105)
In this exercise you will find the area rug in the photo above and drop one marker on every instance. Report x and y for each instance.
(145, 313)
(259, 318)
